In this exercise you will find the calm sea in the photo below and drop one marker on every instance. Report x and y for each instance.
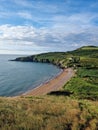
(19, 77)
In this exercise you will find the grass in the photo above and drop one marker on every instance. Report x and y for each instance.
(84, 56)
(85, 84)
(47, 113)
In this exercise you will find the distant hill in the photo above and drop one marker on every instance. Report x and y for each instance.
(78, 57)
(89, 47)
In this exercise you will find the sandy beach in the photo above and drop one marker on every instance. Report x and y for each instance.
(53, 85)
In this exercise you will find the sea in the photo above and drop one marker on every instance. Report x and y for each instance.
(17, 78)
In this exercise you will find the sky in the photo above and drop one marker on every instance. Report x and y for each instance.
(38, 26)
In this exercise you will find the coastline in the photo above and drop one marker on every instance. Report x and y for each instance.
(53, 84)
(47, 81)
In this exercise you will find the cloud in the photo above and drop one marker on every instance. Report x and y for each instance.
(25, 15)
(46, 13)
(39, 11)
(38, 5)
(37, 40)
(23, 3)
(43, 25)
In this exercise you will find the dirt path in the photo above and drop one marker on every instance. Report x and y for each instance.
(52, 85)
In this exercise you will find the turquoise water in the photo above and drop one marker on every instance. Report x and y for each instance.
(19, 77)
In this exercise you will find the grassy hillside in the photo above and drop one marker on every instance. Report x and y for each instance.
(84, 85)
(48, 113)
(75, 107)
(85, 57)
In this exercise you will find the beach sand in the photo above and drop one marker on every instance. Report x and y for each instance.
(53, 85)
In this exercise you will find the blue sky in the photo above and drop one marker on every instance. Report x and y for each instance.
(36, 26)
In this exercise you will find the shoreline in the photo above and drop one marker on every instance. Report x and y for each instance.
(43, 83)
(54, 84)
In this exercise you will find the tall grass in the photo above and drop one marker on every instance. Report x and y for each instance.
(47, 113)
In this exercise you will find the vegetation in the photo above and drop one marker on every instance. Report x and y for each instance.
(85, 57)
(48, 113)
(84, 85)
(75, 107)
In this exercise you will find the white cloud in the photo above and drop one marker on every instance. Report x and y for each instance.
(9, 32)
(25, 15)
(66, 32)
(28, 39)
(37, 5)
(40, 26)
(23, 3)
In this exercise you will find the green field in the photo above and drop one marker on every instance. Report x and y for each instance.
(85, 84)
